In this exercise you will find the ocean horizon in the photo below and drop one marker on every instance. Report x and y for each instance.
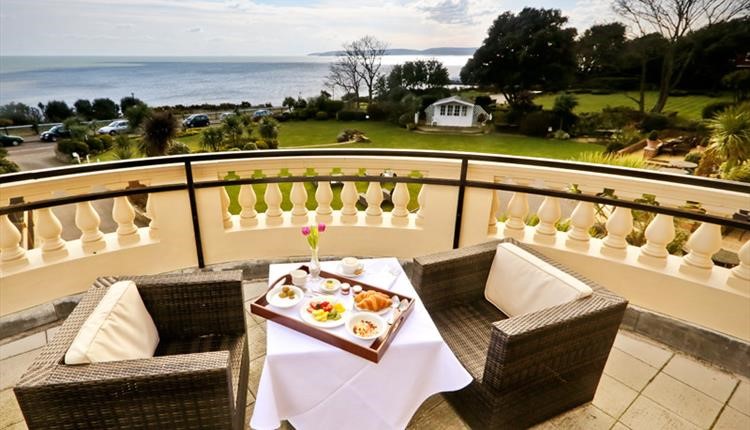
(169, 80)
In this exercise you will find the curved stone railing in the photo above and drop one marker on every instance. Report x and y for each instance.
(205, 209)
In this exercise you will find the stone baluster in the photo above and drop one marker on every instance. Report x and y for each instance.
(739, 277)
(422, 201)
(247, 199)
(492, 219)
(153, 225)
(518, 208)
(88, 221)
(298, 197)
(658, 235)
(10, 237)
(581, 221)
(400, 198)
(619, 226)
(349, 196)
(124, 215)
(323, 198)
(226, 216)
(549, 213)
(703, 244)
(49, 229)
(374, 198)
(273, 200)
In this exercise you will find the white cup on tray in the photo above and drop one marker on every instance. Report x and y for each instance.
(350, 266)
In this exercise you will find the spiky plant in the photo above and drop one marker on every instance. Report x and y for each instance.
(730, 136)
(158, 132)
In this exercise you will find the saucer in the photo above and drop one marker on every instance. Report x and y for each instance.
(340, 271)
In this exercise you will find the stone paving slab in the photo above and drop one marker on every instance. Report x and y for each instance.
(645, 386)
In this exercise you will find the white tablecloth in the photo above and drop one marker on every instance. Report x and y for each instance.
(318, 386)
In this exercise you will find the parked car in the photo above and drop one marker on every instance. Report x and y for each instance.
(7, 139)
(54, 133)
(196, 120)
(115, 127)
(260, 113)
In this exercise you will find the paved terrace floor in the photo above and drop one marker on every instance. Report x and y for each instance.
(645, 386)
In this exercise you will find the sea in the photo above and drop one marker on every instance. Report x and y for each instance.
(176, 80)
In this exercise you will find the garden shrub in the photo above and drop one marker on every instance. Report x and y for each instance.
(740, 173)
(95, 144)
(710, 110)
(250, 146)
(261, 144)
(272, 144)
(694, 157)
(561, 135)
(405, 119)
(177, 148)
(321, 115)
(613, 147)
(351, 134)
(69, 146)
(351, 115)
(536, 123)
(654, 121)
(378, 111)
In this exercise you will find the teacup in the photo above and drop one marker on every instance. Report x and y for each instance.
(349, 265)
(299, 277)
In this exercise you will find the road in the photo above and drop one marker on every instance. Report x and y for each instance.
(41, 155)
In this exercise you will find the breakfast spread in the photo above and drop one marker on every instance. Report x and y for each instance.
(373, 301)
(364, 328)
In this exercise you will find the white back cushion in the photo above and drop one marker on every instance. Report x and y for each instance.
(119, 328)
(520, 283)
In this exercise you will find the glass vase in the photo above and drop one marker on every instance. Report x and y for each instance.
(314, 264)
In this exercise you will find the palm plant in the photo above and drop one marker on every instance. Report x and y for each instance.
(212, 139)
(233, 131)
(123, 149)
(159, 130)
(730, 136)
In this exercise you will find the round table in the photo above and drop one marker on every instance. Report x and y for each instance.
(682, 164)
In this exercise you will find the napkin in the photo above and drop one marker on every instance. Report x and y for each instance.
(383, 278)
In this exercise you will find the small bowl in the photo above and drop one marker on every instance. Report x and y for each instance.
(375, 319)
(273, 299)
(330, 285)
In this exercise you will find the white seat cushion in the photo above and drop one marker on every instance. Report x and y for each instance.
(520, 283)
(119, 328)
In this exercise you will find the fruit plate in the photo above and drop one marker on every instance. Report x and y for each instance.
(312, 305)
(273, 296)
(371, 350)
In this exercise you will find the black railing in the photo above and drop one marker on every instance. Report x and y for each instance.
(739, 220)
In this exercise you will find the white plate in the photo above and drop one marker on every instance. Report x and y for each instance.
(340, 271)
(323, 289)
(380, 312)
(379, 322)
(272, 297)
(307, 317)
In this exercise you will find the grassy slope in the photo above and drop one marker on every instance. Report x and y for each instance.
(688, 106)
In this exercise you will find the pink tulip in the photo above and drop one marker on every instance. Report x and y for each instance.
(305, 231)
(321, 227)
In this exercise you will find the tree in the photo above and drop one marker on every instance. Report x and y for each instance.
(345, 73)
(730, 136)
(232, 129)
(289, 102)
(129, 101)
(268, 129)
(418, 75)
(104, 109)
(84, 109)
(599, 50)
(673, 19)
(56, 110)
(137, 115)
(524, 51)
(367, 52)
(563, 109)
(739, 81)
(159, 130)
(20, 114)
(211, 139)
(643, 51)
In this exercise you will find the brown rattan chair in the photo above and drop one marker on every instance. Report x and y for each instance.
(196, 380)
(525, 369)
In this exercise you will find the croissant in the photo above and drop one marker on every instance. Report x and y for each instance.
(372, 300)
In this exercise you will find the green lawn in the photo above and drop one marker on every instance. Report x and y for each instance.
(385, 135)
(689, 107)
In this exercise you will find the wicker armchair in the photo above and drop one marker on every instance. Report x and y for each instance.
(196, 380)
(528, 368)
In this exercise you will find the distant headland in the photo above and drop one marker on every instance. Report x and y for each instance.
(401, 51)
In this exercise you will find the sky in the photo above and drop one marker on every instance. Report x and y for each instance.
(257, 27)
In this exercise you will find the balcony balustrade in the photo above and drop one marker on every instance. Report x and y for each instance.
(437, 201)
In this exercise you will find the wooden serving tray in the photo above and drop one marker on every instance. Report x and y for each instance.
(374, 352)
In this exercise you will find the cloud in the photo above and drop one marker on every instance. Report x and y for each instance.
(124, 26)
(449, 12)
(195, 30)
